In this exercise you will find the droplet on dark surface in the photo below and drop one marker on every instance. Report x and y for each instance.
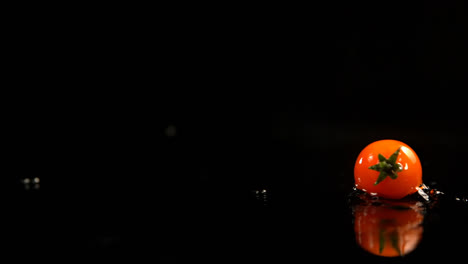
(262, 196)
(462, 199)
(171, 131)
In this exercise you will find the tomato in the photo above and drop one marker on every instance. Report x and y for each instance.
(390, 229)
(389, 169)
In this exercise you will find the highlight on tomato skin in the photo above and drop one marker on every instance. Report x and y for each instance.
(389, 228)
(389, 169)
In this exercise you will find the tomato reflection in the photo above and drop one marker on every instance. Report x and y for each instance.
(388, 228)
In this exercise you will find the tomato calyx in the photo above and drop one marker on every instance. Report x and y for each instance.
(387, 167)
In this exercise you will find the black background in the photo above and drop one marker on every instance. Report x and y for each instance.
(260, 100)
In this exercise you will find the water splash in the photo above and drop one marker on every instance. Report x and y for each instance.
(427, 193)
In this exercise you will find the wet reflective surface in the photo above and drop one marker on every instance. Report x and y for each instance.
(214, 222)
(246, 198)
(388, 228)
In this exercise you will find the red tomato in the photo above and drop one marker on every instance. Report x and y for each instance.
(389, 169)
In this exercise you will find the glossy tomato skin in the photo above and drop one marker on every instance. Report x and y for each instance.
(408, 180)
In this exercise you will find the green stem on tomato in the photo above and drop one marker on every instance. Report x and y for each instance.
(387, 167)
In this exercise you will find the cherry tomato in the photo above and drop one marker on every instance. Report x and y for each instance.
(390, 229)
(389, 169)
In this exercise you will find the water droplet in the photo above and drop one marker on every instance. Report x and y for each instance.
(262, 196)
(461, 199)
(171, 131)
(423, 194)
